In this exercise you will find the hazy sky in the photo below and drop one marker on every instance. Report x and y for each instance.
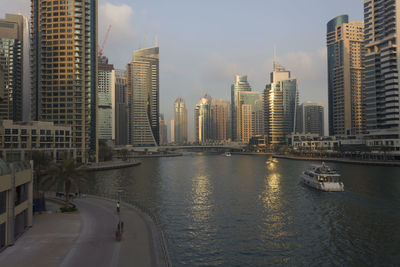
(204, 43)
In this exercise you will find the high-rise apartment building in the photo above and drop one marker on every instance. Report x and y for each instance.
(121, 108)
(382, 67)
(106, 99)
(246, 115)
(240, 84)
(144, 83)
(180, 121)
(280, 103)
(172, 126)
(14, 66)
(310, 118)
(259, 128)
(163, 131)
(345, 76)
(204, 120)
(221, 120)
(64, 68)
(196, 123)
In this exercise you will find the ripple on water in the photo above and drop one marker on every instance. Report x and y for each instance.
(236, 211)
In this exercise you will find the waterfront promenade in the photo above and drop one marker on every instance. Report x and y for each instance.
(388, 163)
(87, 238)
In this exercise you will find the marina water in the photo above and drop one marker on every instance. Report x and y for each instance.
(240, 211)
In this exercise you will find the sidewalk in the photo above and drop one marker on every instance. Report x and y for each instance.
(87, 238)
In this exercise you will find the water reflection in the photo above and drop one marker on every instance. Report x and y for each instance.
(238, 211)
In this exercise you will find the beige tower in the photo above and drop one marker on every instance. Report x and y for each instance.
(221, 120)
(345, 70)
(64, 69)
(180, 121)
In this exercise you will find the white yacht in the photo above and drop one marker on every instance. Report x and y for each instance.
(323, 178)
(228, 154)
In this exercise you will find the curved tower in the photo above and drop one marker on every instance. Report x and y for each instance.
(143, 76)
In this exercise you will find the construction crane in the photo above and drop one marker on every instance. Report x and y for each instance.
(100, 48)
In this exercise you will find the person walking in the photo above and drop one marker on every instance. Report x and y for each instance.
(118, 206)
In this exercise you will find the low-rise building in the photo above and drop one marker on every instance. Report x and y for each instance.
(19, 139)
(16, 192)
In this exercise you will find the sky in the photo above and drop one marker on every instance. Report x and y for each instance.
(204, 43)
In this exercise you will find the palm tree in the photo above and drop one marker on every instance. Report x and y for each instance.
(66, 172)
(41, 162)
(124, 154)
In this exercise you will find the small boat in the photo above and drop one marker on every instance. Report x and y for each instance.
(228, 154)
(322, 178)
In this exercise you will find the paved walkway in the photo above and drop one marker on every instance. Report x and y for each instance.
(87, 238)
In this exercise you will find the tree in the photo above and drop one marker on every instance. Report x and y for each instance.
(105, 152)
(68, 173)
(124, 153)
(41, 163)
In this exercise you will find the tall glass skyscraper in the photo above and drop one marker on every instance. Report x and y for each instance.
(221, 120)
(240, 84)
(310, 118)
(64, 68)
(281, 99)
(203, 120)
(382, 67)
(345, 70)
(246, 115)
(13, 42)
(106, 99)
(143, 79)
(180, 121)
(121, 108)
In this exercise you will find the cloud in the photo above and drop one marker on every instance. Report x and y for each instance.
(15, 7)
(218, 69)
(122, 33)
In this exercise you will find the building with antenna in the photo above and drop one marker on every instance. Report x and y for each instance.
(280, 103)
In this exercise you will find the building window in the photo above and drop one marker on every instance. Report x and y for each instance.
(2, 235)
(3, 202)
(20, 194)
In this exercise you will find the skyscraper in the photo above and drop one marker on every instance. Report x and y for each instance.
(246, 115)
(121, 108)
(221, 120)
(163, 131)
(106, 99)
(280, 103)
(180, 121)
(204, 120)
(172, 126)
(13, 62)
(240, 84)
(143, 80)
(64, 68)
(310, 118)
(196, 123)
(382, 69)
(345, 88)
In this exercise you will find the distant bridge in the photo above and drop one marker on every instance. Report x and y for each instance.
(216, 147)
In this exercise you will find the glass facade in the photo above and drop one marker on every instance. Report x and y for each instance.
(382, 89)
(11, 67)
(143, 80)
(280, 104)
(240, 84)
(345, 76)
(180, 121)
